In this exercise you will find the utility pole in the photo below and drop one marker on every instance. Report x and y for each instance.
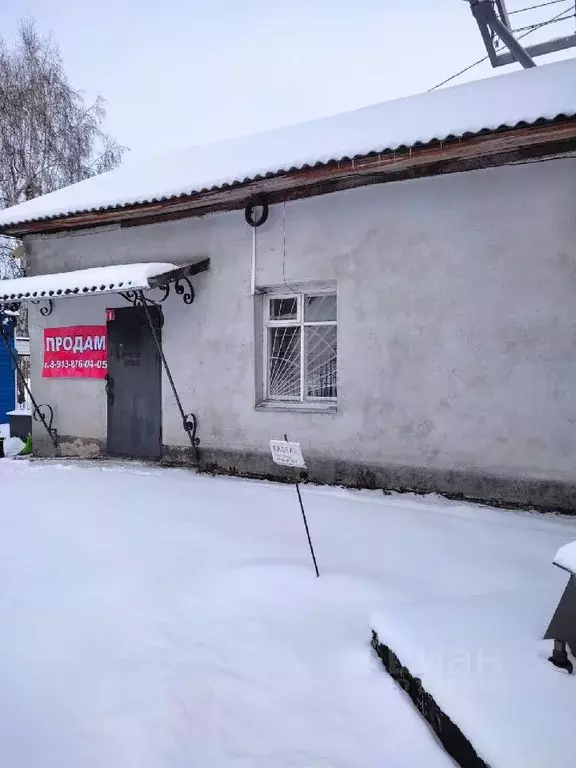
(492, 25)
(493, 19)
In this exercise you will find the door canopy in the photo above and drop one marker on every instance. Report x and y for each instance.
(128, 280)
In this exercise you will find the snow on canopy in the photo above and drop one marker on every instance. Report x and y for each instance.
(526, 96)
(127, 277)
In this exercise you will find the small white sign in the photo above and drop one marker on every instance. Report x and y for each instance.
(287, 454)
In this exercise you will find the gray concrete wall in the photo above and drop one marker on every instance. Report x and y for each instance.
(456, 345)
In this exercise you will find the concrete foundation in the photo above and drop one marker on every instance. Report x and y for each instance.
(499, 490)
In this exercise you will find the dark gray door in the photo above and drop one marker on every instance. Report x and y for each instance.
(133, 384)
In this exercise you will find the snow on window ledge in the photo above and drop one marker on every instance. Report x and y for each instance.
(274, 405)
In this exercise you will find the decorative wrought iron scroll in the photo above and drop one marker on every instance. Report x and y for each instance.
(133, 297)
(190, 424)
(182, 287)
(47, 309)
(179, 287)
(46, 417)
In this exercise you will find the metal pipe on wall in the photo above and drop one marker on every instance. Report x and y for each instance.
(253, 267)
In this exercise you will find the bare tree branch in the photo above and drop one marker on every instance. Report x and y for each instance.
(49, 137)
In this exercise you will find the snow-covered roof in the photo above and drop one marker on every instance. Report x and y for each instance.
(522, 97)
(122, 277)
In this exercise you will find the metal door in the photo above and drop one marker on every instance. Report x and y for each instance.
(134, 384)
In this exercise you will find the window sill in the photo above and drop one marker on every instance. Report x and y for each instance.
(297, 407)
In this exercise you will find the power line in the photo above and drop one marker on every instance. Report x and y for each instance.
(559, 17)
(457, 74)
(533, 7)
(520, 37)
(567, 14)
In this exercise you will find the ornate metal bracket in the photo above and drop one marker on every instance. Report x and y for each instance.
(190, 424)
(133, 297)
(46, 417)
(46, 310)
(189, 420)
(182, 286)
(187, 295)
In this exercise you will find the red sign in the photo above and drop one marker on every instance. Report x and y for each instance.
(76, 352)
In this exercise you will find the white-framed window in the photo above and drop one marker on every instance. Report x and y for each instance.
(300, 347)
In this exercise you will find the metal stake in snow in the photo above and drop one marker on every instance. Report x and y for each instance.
(288, 454)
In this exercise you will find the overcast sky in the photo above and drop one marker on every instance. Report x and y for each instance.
(183, 72)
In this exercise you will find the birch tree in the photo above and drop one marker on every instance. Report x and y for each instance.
(49, 136)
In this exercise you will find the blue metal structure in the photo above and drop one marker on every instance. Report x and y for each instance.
(7, 373)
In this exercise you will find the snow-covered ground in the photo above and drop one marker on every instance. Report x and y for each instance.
(11, 445)
(484, 662)
(156, 619)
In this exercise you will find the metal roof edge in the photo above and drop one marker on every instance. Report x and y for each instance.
(19, 226)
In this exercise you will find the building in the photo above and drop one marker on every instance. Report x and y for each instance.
(15, 414)
(393, 287)
(7, 379)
